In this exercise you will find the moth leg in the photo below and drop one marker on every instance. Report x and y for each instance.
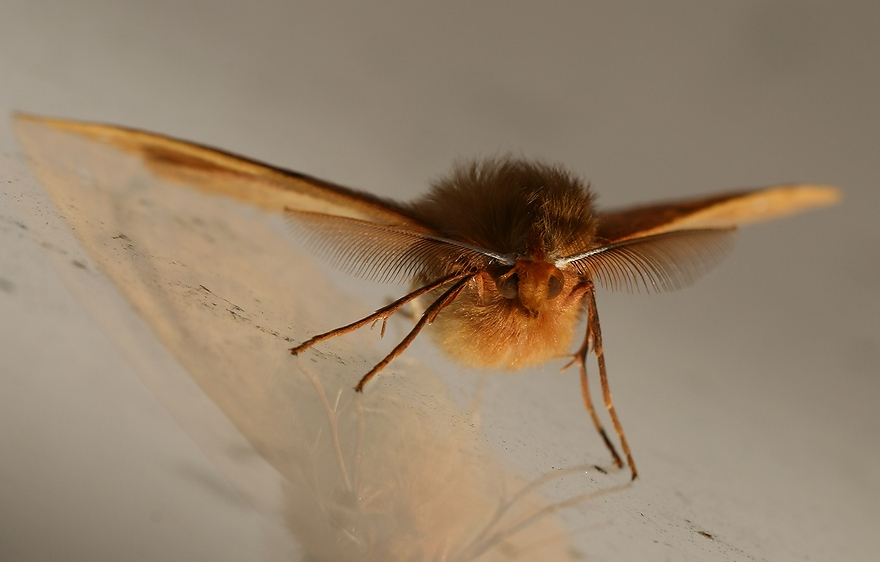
(381, 314)
(595, 335)
(580, 357)
(429, 315)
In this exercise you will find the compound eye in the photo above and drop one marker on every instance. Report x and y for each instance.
(554, 286)
(508, 286)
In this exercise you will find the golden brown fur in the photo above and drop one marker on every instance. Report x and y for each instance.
(511, 206)
(482, 329)
(535, 213)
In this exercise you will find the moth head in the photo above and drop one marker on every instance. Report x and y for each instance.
(530, 282)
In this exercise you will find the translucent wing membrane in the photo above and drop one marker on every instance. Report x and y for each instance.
(382, 252)
(663, 262)
(218, 172)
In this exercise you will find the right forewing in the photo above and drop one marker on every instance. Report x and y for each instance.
(724, 211)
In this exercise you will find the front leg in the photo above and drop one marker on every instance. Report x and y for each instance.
(594, 336)
(593, 341)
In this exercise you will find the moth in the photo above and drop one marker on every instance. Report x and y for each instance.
(506, 254)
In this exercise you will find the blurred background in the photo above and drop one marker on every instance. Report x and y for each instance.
(749, 399)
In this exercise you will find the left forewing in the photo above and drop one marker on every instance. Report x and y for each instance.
(218, 172)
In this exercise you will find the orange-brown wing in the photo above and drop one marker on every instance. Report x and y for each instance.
(666, 246)
(218, 172)
(728, 210)
(363, 234)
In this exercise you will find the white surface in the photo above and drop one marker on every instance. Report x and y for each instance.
(749, 399)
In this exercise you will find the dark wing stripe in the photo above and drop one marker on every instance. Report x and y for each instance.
(219, 172)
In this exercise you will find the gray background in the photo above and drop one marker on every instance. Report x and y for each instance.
(758, 386)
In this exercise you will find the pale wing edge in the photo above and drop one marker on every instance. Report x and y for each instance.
(721, 211)
(222, 173)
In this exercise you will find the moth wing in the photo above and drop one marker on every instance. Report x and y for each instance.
(359, 232)
(215, 171)
(667, 246)
(718, 211)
